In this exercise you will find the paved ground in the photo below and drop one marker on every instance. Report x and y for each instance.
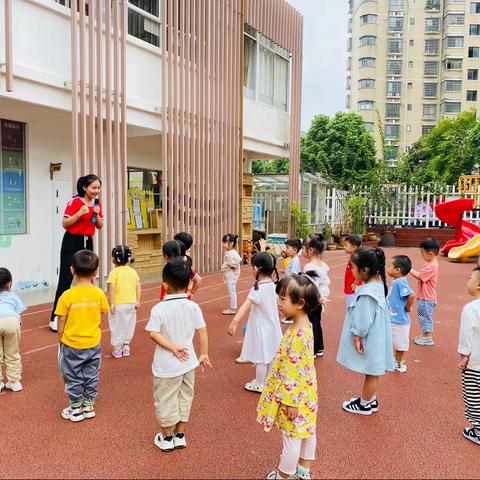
(416, 434)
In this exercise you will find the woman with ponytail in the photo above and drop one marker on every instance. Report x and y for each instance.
(366, 340)
(83, 214)
(263, 334)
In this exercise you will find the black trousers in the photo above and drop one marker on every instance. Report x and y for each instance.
(315, 318)
(71, 244)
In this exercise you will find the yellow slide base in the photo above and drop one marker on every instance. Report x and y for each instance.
(470, 249)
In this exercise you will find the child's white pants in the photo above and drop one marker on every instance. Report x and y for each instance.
(261, 372)
(231, 281)
(122, 324)
(293, 450)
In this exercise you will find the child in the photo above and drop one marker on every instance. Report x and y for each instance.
(10, 309)
(469, 350)
(366, 340)
(263, 334)
(79, 311)
(172, 326)
(400, 301)
(292, 247)
(352, 244)
(124, 290)
(231, 270)
(313, 247)
(425, 293)
(187, 240)
(289, 399)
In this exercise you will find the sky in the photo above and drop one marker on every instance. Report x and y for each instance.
(324, 56)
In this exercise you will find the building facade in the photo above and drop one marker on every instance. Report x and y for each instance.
(174, 96)
(410, 63)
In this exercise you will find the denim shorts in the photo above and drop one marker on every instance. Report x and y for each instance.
(425, 314)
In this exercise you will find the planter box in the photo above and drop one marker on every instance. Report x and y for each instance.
(411, 237)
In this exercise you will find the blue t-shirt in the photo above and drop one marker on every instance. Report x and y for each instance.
(10, 305)
(397, 300)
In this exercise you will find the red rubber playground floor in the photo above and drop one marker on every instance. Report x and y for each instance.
(416, 434)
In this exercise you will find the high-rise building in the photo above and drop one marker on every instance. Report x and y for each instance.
(410, 63)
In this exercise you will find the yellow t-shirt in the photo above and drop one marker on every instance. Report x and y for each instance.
(125, 279)
(83, 306)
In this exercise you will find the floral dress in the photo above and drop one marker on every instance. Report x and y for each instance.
(292, 382)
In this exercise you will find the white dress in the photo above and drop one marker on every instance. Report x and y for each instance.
(322, 281)
(264, 333)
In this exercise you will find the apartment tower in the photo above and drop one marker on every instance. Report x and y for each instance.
(410, 63)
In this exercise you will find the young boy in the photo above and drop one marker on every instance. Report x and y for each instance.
(352, 244)
(172, 326)
(425, 294)
(292, 247)
(187, 240)
(79, 311)
(400, 301)
(469, 350)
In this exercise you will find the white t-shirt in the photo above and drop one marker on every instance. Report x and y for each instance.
(469, 337)
(293, 266)
(176, 318)
(322, 281)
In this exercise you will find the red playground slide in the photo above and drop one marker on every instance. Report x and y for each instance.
(452, 214)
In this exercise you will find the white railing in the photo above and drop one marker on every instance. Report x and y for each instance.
(401, 206)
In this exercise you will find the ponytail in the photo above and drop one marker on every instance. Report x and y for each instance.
(372, 259)
(266, 264)
(122, 255)
(230, 238)
(381, 268)
(84, 182)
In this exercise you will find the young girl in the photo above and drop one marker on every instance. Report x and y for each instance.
(263, 334)
(289, 398)
(313, 247)
(124, 290)
(231, 270)
(83, 214)
(10, 309)
(366, 340)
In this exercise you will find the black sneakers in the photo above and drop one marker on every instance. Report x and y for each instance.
(470, 434)
(354, 405)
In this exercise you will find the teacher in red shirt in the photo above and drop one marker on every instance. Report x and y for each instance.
(82, 216)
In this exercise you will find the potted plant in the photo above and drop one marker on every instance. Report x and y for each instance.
(356, 212)
(300, 219)
(328, 236)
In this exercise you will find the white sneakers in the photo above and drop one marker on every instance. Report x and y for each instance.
(253, 386)
(53, 324)
(73, 413)
(13, 386)
(400, 367)
(170, 442)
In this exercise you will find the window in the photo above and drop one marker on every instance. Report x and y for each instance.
(411, 43)
(474, 29)
(453, 64)
(432, 5)
(426, 129)
(473, 52)
(366, 105)
(348, 83)
(430, 89)
(395, 45)
(280, 89)
(410, 85)
(429, 112)
(249, 66)
(453, 42)
(395, 24)
(452, 85)
(394, 89)
(432, 25)
(391, 153)
(431, 47)
(12, 178)
(348, 101)
(266, 64)
(430, 69)
(366, 83)
(409, 107)
(368, 40)
(392, 132)
(452, 19)
(475, 7)
(396, 5)
(366, 62)
(392, 110)
(410, 64)
(471, 95)
(142, 179)
(412, 20)
(368, 126)
(144, 20)
(394, 67)
(472, 74)
(451, 107)
(368, 18)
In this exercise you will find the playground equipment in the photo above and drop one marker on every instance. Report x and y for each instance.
(463, 245)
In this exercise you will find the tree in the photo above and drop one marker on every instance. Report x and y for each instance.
(279, 165)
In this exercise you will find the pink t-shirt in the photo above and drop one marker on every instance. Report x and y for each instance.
(428, 281)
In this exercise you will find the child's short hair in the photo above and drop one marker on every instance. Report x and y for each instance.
(85, 263)
(298, 287)
(403, 263)
(294, 243)
(315, 241)
(354, 239)
(177, 274)
(185, 238)
(122, 255)
(171, 249)
(430, 245)
(5, 278)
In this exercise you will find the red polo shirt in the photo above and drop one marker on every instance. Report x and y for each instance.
(84, 224)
